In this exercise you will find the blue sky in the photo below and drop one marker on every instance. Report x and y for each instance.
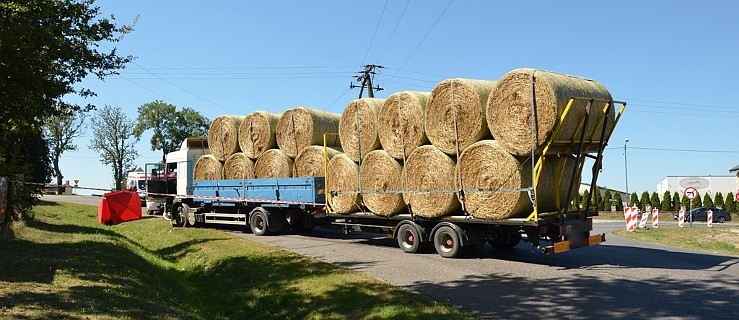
(673, 62)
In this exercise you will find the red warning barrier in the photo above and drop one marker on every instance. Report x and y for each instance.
(655, 218)
(644, 216)
(630, 216)
(709, 220)
(634, 217)
(681, 218)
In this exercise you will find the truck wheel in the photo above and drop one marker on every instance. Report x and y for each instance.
(409, 239)
(446, 242)
(179, 215)
(258, 222)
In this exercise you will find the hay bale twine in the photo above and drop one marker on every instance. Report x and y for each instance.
(487, 166)
(381, 172)
(430, 169)
(301, 127)
(257, 133)
(509, 108)
(238, 166)
(464, 99)
(274, 163)
(207, 167)
(401, 123)
(223, 136)
(342, 184)
(309, 162)
(366, 136)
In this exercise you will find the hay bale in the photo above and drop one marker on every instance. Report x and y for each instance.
(463, 99)
(310, 161)
(223, 136)
(257, 133)
(342, 184)
(366, 137)
(274, 163)
(430, 169)
(301, 127)
(207, 167)
(238, 166)
(509, 108)
(381, 172)
(401, 123)
(487, 166)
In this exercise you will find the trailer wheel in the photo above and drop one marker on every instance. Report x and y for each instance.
(258, 222)
(179, 215)
(446, 242)
(409, 239)
(502, 241)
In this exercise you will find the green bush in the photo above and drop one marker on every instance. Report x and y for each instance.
(676, 201)
(656, 204)
(645, 201)
(666, 201)
(719, 201)
(634, 199)
(707, 201)
(730, 204)
(607, 200)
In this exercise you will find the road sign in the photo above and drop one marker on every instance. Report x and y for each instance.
(691, 193)
(736, 196)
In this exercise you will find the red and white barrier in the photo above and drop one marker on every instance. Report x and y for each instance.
(709, 220)
(627, 218)
(655, 218)
(643, 221)
(634, 217)
(681, 218)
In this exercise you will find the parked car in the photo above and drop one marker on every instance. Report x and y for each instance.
(701, 214)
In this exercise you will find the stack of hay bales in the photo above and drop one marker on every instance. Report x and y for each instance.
(417, 150)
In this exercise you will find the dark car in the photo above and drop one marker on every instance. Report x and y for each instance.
(701, 214)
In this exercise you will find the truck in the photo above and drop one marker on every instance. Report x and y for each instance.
(278, 205)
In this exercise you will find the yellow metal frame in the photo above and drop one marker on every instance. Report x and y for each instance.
(325, 171)
(560, 167)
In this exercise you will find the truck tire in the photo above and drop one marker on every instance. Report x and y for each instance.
(409, 239)
(179, 215)
(446, 242)
(258, 222)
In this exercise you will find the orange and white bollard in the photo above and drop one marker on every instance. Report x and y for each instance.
(655, 218)
(644, 216)
(627, 218)
(634, 217)
(709, 220)
(681, 218)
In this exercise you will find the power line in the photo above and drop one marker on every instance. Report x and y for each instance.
(421, 73)
(237, 73)
(242, 68)
(681, 103)
(375, 33)
(150, 90)
(394, 28)
(424, 38)
(681, 108)
(685, 114)
(337, 99)
(675, 150)
(237, 78)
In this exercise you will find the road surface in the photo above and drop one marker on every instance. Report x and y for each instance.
(619, 279)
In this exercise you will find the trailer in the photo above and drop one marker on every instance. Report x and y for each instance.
(279, 205)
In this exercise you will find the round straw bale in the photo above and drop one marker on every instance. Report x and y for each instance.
(509, 108)
(309, 162)
(463, 100)
(489, 174)
(207, 167)
(238, 166)
(429, 169)
(367, 110)
(223, 136)
(257, 133)
(301, 127)
(380, 173)
(274, 163)
(401, 123)
(342, 184)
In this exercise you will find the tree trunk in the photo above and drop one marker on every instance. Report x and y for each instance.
(59, 176)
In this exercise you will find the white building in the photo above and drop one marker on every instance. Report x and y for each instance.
(705, 185)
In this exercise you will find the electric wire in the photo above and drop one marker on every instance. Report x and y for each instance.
(394, 28)
(375, 33)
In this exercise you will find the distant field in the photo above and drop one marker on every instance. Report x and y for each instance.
(63, 264)
(723, 240)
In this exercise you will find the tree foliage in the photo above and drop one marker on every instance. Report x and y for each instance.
(654, 200)
(676, 200)
(634, 199)
(607, 200)
(719, 200)
(113, 139)
(730, 204)
(169, 126)
(707, 200)
(644, 201)
(60, 131)
(585, 196)
(697, 202)
(685, 202)
(666, 201)
(46, 49)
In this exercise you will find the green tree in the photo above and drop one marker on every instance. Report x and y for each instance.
(597, 200)
(719, 201)
(114, 140)
(169, 127)
(607, 200)
(697, 202)
(644, 201)
(655, 200)
(634, 199)
(730, 203)
(60, 131)
(685, 202)
(584, 199)
(707, 201)
(666, 201)
(46, 49)
(676, 201)
(576, 201)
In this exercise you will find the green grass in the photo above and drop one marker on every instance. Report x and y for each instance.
(64, 264)
(723, 240)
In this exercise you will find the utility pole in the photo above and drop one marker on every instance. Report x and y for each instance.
(365, 77)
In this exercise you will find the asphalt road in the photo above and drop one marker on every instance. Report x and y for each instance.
(619, 279)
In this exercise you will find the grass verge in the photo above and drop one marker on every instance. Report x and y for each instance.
(63, 264)
(723, 240)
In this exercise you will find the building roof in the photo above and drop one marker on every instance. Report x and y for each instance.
(735, 168)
